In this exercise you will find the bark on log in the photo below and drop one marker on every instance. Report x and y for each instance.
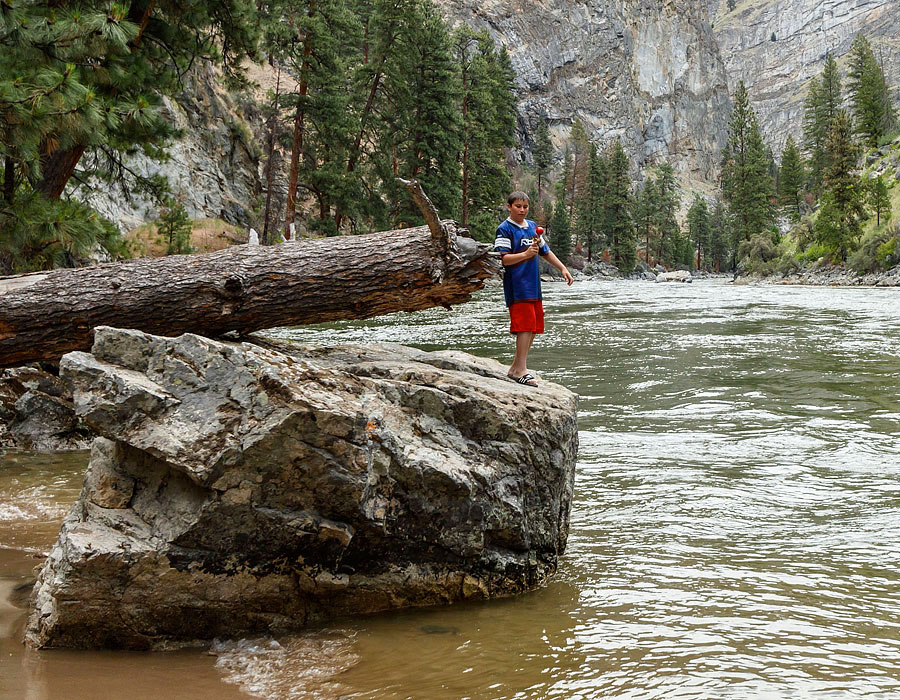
(243, 289)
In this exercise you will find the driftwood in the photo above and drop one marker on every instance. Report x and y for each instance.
(243, 289)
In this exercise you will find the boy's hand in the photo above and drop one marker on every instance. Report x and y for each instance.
(531, 251)
(567, 276)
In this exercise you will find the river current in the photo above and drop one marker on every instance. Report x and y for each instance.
(735, 530)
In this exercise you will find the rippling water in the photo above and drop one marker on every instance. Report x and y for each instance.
(736, 526)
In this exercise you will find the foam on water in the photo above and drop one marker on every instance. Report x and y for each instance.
(296, 668)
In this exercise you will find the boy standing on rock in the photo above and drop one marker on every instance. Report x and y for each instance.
(519, 243)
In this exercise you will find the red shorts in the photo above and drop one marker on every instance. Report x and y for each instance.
(526, 317)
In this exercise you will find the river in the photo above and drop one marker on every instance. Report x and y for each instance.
(735, 531)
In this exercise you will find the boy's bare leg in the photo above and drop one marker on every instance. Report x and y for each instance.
(524, 339)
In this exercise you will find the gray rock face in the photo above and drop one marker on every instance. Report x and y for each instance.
(36, 412)
(243, 489)
(213, 169)
(647, 73)
(777, 72)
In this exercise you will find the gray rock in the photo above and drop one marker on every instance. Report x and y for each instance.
(674, 276)
(777, 74)
(36, 412)
(254, 488)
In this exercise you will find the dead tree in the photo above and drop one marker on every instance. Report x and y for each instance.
(243, 289)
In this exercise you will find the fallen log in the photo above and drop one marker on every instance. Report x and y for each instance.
(242, 289)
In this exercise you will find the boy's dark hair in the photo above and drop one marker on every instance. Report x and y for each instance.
(515, 196)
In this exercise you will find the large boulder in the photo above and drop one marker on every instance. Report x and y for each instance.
(252, 488)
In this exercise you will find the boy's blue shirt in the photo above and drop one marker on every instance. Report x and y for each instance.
(521, 282)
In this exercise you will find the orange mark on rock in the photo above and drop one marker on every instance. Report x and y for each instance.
(370, 429)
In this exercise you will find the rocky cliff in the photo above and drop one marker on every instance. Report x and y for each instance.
(646, 72)
(241, 489)
(656, 74)
(776, 46)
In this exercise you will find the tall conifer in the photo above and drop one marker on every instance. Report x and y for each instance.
(543, 157)
(792, 175)
(746, 183)
(699, 228)
(561, 225)
(618, 224)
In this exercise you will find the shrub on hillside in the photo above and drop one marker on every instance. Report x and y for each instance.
(879, 250)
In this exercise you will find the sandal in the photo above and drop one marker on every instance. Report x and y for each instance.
(527, 379)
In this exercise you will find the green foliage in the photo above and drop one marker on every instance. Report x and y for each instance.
(823, 102)
(879, 249)
(839, 222)
(174, 226)
(757, 253)
(831, 229)
(39, 233)
(486, 79)
(699, 229)
(618, 227)
(87, 78)
(642, 215)
(590, 205)
(561, 226)
(814, 252)
(664, 202)
(880, 199)
(747, 186)
(888, 253)
(543, 156)
(720, 246)
(874, 115)
(792, 176)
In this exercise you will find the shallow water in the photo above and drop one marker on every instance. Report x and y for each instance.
(735, 531)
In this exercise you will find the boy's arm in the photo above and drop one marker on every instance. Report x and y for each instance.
(516, 258)
(553, 260)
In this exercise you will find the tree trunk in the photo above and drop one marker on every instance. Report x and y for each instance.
(56, 169)
(9, 180)
(273, 133)
(243, 289)
(297, 146)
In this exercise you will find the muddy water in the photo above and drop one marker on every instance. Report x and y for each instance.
(736, 529)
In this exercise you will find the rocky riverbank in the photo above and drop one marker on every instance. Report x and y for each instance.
(242, 489)
(828, 276)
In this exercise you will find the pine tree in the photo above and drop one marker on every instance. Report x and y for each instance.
(175, 227)
(880, 199)
(821, 107)
(543, 157)
(720, 237)
(665, 205)
(590, 205)
(699, 228)
(813, 133)
(617, 207)
(82, 85)
(643, 215)
(489, 118)
(560, 225)
(840, 225)
(323, 120)
(792, 175)
(580, 151)
(746, 183)
(872, 109)
(426, 133)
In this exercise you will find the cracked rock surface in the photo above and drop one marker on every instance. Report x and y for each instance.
(245, 488)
